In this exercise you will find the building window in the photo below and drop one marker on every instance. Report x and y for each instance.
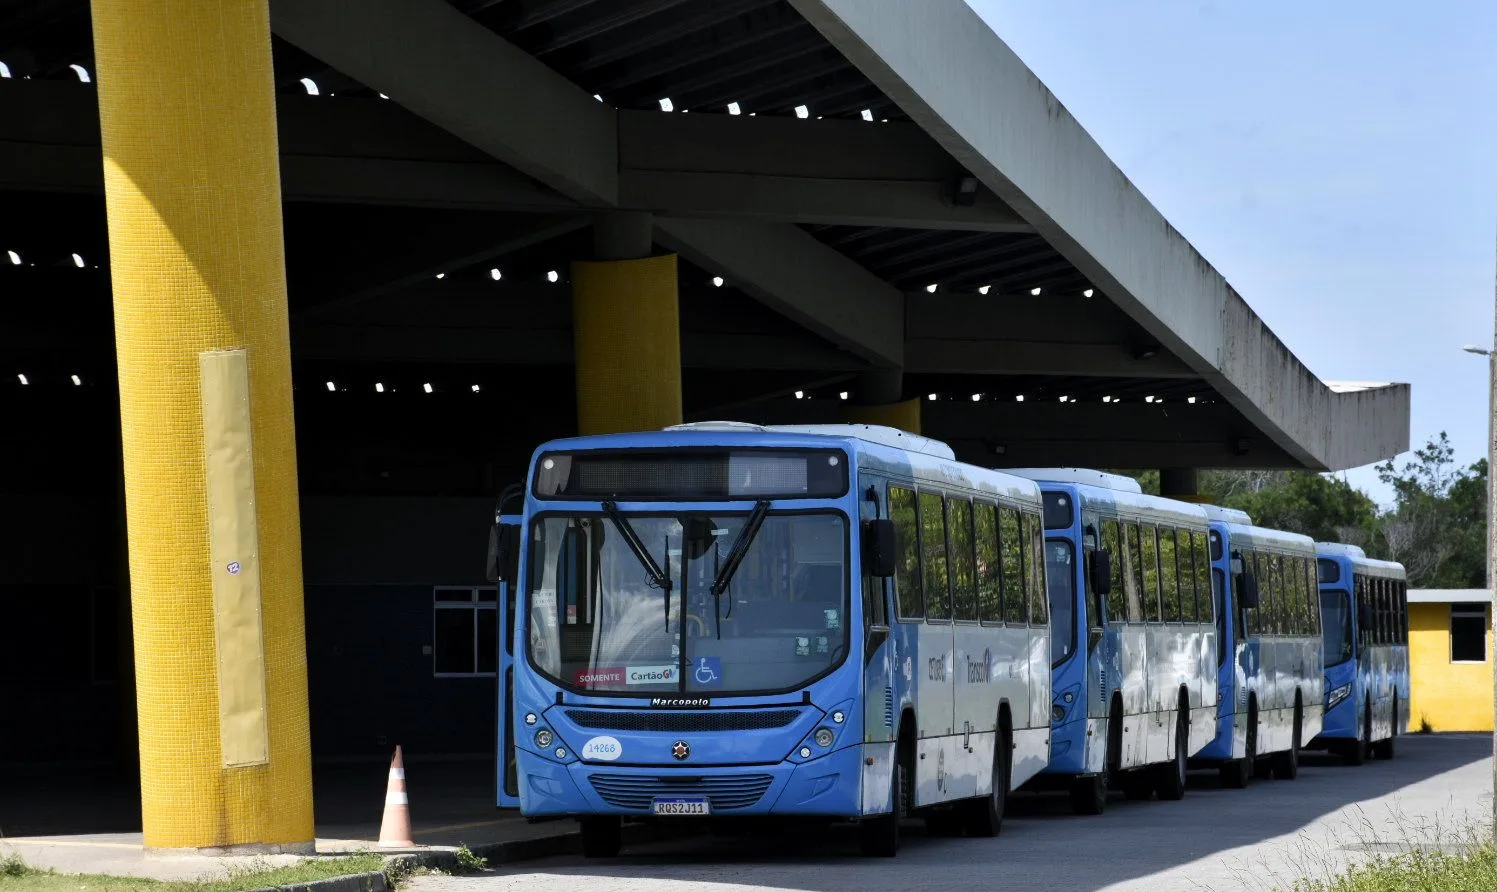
(1468, 633)
(465, 632)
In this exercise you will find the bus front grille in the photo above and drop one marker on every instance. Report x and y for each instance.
(683, 722)
(724, 792)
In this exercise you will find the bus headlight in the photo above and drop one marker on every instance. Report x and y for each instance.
(824, 737)
(543, 738)
(1057, 713)
(1337, 695)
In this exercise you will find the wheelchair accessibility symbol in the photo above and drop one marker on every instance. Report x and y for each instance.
(709, 672)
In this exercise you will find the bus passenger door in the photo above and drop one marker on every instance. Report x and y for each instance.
(504, 545)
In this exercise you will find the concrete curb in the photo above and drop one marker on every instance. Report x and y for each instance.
(508, 852)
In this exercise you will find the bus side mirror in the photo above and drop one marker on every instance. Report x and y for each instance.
(1247, 591)
(504, 552)
(879, 555)
(1364, 616)
(1101, 572)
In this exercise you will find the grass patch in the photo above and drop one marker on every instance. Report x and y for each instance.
(17, 876)
(1414, 871)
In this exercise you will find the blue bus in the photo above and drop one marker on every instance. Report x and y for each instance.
(722, 620)
(1268, 648)
(1364, 608)
(1133, 638)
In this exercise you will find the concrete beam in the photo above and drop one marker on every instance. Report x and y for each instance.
(787, 269)
(444, 66)
(784, 169)
(978, 100)
(369, 151)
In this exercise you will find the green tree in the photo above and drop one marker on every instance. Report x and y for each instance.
(1437, 525)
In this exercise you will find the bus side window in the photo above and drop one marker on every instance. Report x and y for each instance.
(989, 564)
(1151, 573)
(963, 559)
(1312, 587)
(1189, 599)
(1034, 561)
(1403, 613)
(875, 589)
(1247, 619)
(1206, 609)
(1117, 599)
(1169, 577)
(1015, 598)
(933, 557)
(1136, 612)
(907, 571)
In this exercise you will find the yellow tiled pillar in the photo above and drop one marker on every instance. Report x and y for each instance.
(192, 189)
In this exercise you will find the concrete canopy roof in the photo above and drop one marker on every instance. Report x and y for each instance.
(511, 123)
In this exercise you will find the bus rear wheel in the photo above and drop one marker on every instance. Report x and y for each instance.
(602, 837)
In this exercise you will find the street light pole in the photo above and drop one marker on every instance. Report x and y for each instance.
(1491, 356)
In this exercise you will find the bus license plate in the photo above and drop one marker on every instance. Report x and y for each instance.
(681, 807)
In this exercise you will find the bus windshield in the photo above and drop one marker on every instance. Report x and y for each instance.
(1060, 581)
(1335, 614)
(602, 620)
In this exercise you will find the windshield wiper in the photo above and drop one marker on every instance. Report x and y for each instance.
(736, 554)
(658, 579)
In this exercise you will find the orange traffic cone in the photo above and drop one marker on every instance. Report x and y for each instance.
(395, 828)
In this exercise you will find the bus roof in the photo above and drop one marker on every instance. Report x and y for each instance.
(1218, 514)
(1265, 537)
(1084, 476)
(871, 433)
(1360, 561)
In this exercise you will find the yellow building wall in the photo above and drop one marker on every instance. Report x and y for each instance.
(1449, 696)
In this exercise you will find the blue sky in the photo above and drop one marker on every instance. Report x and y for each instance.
(1336, 161)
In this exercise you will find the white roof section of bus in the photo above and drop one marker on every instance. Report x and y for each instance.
(1248, 536)
(1450, 596)
(1340, 549)
(1083, 476)
(1360, 561)
(1218, 514)
(871, 433)
(1134, 506)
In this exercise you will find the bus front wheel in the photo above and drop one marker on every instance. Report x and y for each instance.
(1172, 776)
(1383, 749)
(1238, 773)
(985, 817)
(602, 837)
(879, 836)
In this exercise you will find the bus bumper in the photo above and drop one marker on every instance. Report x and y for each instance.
(831, 786)
(1340, 722)
(1223, 746)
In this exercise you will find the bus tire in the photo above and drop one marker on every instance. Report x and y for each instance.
(602, 836)
(1355, 751)
(1089, 794)
(1236, 774)
(985, 815)
(1286, 764)
(1384, 749)
(878, 836)
(1171, 775)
